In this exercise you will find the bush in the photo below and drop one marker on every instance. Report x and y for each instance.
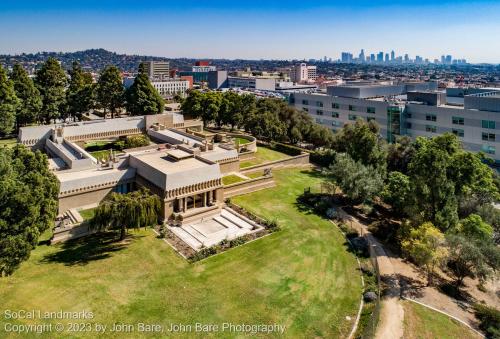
(489, 320)
(273, 226)
(203, 253)
(287, 149)
(323, 158)
(237, 242)
(163, 231)
(134, 141)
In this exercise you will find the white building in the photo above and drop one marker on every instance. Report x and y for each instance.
(303, 73)
(166, 87)
(204, 68)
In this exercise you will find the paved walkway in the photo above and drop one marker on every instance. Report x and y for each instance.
(392, 312)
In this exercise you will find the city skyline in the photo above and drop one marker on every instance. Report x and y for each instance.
(255, 30)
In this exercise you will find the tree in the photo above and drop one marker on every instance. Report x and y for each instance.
(142, 98)
(8, 104)
(28, 111)
(210, 107)
(474, 227)
(491, 216)
(109, 90)
(123, 211)
(192, 104)
(432, 195)
(28, 203)
(426, 246)
(358, 182)
(51, 82)
(80, 94)
(362, 142)
(396, 191)
(230, 110)
(320, 135)
(399, 154)
(471, 258)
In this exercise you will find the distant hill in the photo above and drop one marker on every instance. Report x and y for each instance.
(97, 59)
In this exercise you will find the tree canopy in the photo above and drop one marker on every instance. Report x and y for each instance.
(123, 211)
(109, 90)
(81, 92)
(28, 203)
(8, 104)
(51, 82)
(142, 98)
(28, 111)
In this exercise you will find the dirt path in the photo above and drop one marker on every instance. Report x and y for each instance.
(392, 312)
(402, 278)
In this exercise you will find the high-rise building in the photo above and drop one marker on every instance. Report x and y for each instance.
(372, 57)
(157, 70)
(386, 57)
(362, 56)
(407, 58)
(380, 57)
(346, 57)
(393, 55)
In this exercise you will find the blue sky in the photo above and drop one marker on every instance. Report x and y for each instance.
(254, 29)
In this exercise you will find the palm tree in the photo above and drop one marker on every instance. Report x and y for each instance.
(122, 211)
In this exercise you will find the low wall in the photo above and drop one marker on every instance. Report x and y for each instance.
(229, 166)
(248, 186)
(251, 146)
(62, 234)
(299, 160)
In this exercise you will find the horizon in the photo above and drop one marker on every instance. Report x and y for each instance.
(256, 30)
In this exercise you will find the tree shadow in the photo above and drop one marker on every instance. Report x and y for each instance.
(314, 174)
(90, 248)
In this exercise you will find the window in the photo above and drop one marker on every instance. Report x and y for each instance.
(430, 128)
(408, 125)
(352, 117)
(368, 119)
(430, 117)
(336, 123)
(305, 102)
(488, 149)
(370, 110)
(352, 108)
(457, 120)
(305, 109)
(488, 124)
(488, 136)
(319, 112)
(335, 105)
(408, 115)
(335, 115)
(319, 104)
(458, 132)
(319, 121)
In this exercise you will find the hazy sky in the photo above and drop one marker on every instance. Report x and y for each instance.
(255, 29)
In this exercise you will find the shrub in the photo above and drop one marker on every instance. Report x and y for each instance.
(237, 242)
(489, 320)
(203, 253)
(134, 141)
(273, 226)
(323, 158)
(287, 149)
(163, 231)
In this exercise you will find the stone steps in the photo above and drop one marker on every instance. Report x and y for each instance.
(240, 223)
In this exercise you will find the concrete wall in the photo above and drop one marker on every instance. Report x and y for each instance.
(229, 166)
(248, 186)
(299, 160)
(82, 199)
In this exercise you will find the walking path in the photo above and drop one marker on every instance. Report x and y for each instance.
(392, 312)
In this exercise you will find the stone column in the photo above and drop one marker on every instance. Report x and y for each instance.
(185, 204)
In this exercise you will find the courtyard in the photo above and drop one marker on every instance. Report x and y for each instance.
(302, 277)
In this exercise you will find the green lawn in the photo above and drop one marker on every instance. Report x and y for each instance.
(8, 142)
(242, 141)
(87, 214)
(254, 175)
(422, 322)
(301, 277)
(231, 179)
(263, 155)
(104, 154)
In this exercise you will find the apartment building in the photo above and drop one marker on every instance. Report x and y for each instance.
(167, 87)
(413, 109)
(157, 70)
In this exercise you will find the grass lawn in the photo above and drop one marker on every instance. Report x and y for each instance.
(422, 322)
(87, 214)
(301, 277)
(104, 154)
(263, 155)
(231, 179)
(8, 142)
(242, 141)
(254, 175)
